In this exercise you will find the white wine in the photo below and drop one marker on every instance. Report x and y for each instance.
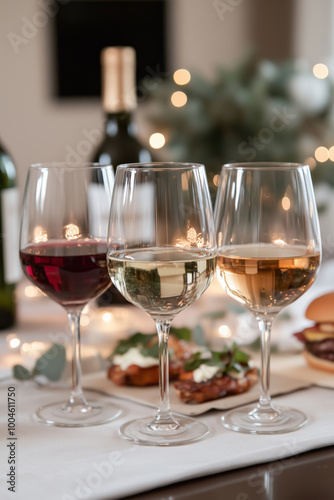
(163, 282)
(266, 277)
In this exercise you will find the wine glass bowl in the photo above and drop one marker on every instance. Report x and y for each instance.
(161, 257)
(63, 252)
(268, 255)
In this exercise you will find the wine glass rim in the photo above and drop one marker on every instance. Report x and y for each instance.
(158, 165)
(63, 165)
(264, 165)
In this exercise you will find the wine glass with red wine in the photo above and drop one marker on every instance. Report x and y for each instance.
(63, 252)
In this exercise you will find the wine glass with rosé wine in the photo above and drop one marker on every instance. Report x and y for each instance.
(269, 252)
(63, 252)
(161, 257)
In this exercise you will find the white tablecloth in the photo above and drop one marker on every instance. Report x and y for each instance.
(95, 463)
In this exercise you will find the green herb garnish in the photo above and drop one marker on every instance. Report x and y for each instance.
(152, 352)
(226, 360)
(142, 340)
(134, 341)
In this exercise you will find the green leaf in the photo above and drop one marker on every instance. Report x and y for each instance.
(218, 355)
(240, 356)
(136, 339)
(52, 363)
(151, 351)
(213, 362)
(181, 333)
(122, 347)
(234, 366)
(199, 335)
(21, 372)
(227, 360)
(193, 364)
(141, 338)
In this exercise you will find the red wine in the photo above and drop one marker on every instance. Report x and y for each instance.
(71, 273)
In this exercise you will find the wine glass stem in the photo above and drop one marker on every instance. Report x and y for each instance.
(265, 328)
(163, 419)
(76, 397)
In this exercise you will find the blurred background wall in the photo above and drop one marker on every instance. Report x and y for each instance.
(203, 34)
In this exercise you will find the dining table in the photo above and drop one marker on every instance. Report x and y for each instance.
(57, 463)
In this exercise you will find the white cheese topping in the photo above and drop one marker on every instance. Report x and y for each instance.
(134, 357)
(236, 375)
(205, 372)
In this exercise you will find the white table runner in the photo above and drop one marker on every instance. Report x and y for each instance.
(95, 463)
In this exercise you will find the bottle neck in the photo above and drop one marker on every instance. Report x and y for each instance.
(118, 79)
(118, 124)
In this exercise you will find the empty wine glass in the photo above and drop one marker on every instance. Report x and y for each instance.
(268, 256)
(63, 252)
(161, 257)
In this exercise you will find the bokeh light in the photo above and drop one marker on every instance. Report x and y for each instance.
(179, 99)
(320, 71)
(321, 154)
(182, 77)
(157, 140)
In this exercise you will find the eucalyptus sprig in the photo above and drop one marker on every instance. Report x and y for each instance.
(51, 364)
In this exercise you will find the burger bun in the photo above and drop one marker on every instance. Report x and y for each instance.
(319, 363)
(321, 310)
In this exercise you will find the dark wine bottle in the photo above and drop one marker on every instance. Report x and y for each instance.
(9, 249)
(120, 143)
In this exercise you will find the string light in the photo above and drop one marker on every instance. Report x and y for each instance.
(32, 291)
(157, 140)
(331, 153)
(286, 203)
(182, 77)
(40, 234)
(179, 99)
(72, 232)
(279, 242)
(224, 331)
(216, 180)
(320, 71)
(321, 154)
(13, 341)
(106, 317)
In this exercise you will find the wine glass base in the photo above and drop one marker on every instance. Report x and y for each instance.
(246, 420)
(138, 431)
(62, 415)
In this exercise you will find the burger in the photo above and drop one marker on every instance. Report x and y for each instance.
(318, 339)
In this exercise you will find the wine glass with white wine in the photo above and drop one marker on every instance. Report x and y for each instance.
(269, 252)
(161, 257)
